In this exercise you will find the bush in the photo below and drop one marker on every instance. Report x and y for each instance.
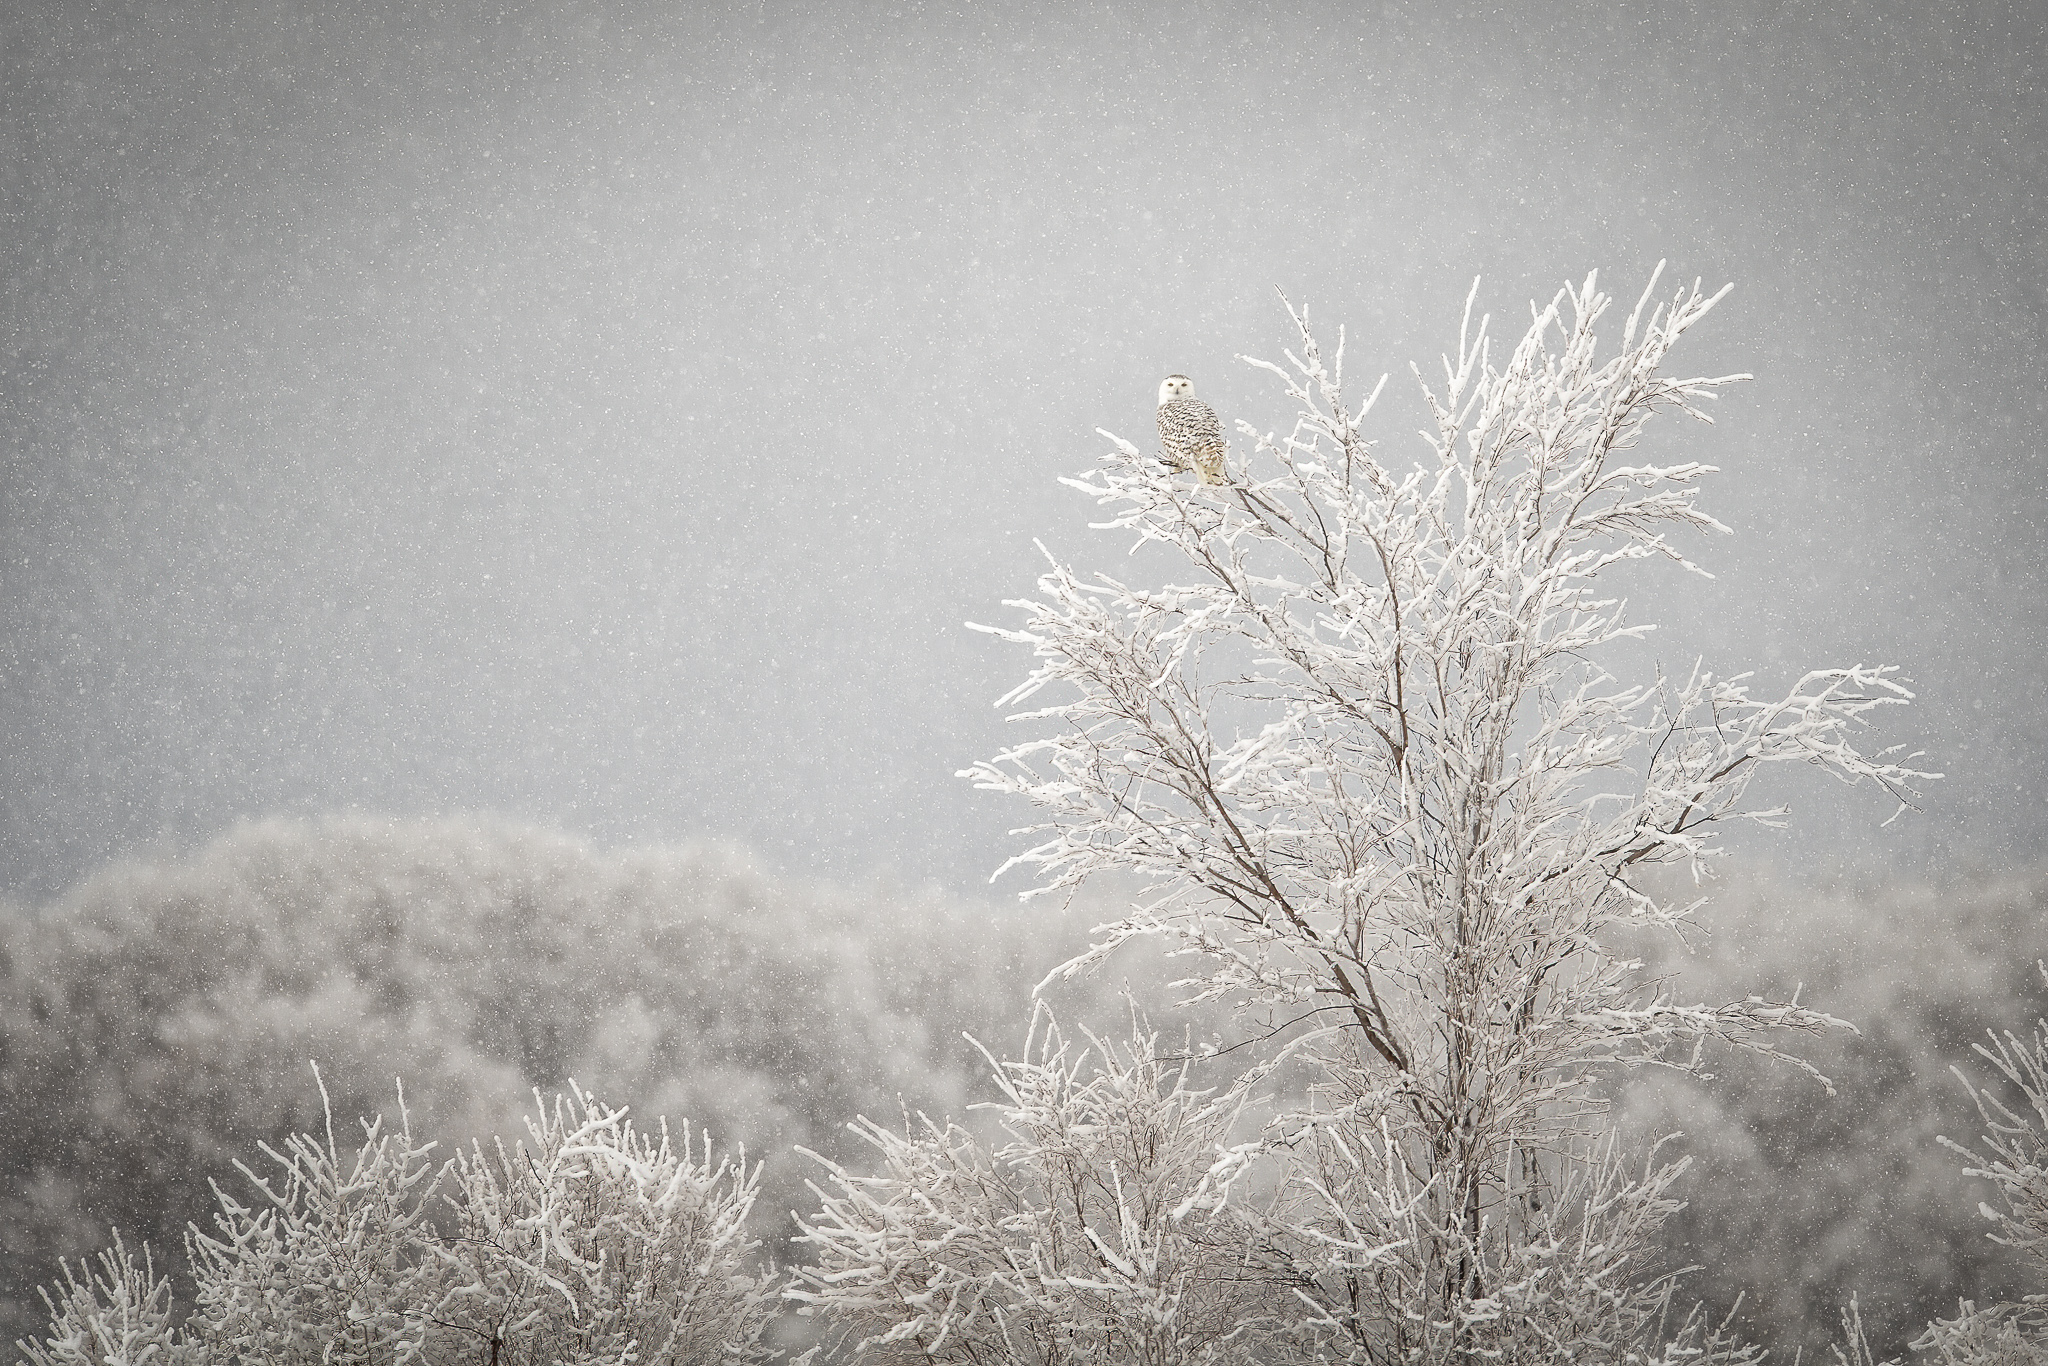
(598, 1244)
(1082, 1238)
(119, 1315)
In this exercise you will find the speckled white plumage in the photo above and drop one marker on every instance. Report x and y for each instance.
(1190, 437)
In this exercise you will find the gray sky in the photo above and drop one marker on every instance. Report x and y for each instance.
(609, 414)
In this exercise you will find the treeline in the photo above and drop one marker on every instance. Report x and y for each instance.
(156, 1024)
(1799, 1199)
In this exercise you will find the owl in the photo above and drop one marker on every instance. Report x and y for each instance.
(1190, 437)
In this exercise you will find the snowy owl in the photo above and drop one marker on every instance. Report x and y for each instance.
(1190, 437)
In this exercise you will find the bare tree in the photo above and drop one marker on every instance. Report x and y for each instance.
(1362, 751)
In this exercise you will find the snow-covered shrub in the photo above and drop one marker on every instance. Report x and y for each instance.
(1360, 744)
(327, 1263)
(2014, 1157)
(1997, 1335)
(600, 1243)
(1082, 1238)
(119, 1315)
(595, 1245)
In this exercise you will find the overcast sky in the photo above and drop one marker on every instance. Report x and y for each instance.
(611, 413)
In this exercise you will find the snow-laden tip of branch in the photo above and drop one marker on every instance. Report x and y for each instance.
(1123, 446)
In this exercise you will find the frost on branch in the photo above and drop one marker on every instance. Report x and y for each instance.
(326, 1263)
(1357, 741)
(1083, 1238)
(1557, 1266)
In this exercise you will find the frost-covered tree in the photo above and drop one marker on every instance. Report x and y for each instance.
(2014, 1157)
(1361, 748)
(595, 1245)
(1075, 1241)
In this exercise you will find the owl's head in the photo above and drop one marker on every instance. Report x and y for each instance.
(1173, 387)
